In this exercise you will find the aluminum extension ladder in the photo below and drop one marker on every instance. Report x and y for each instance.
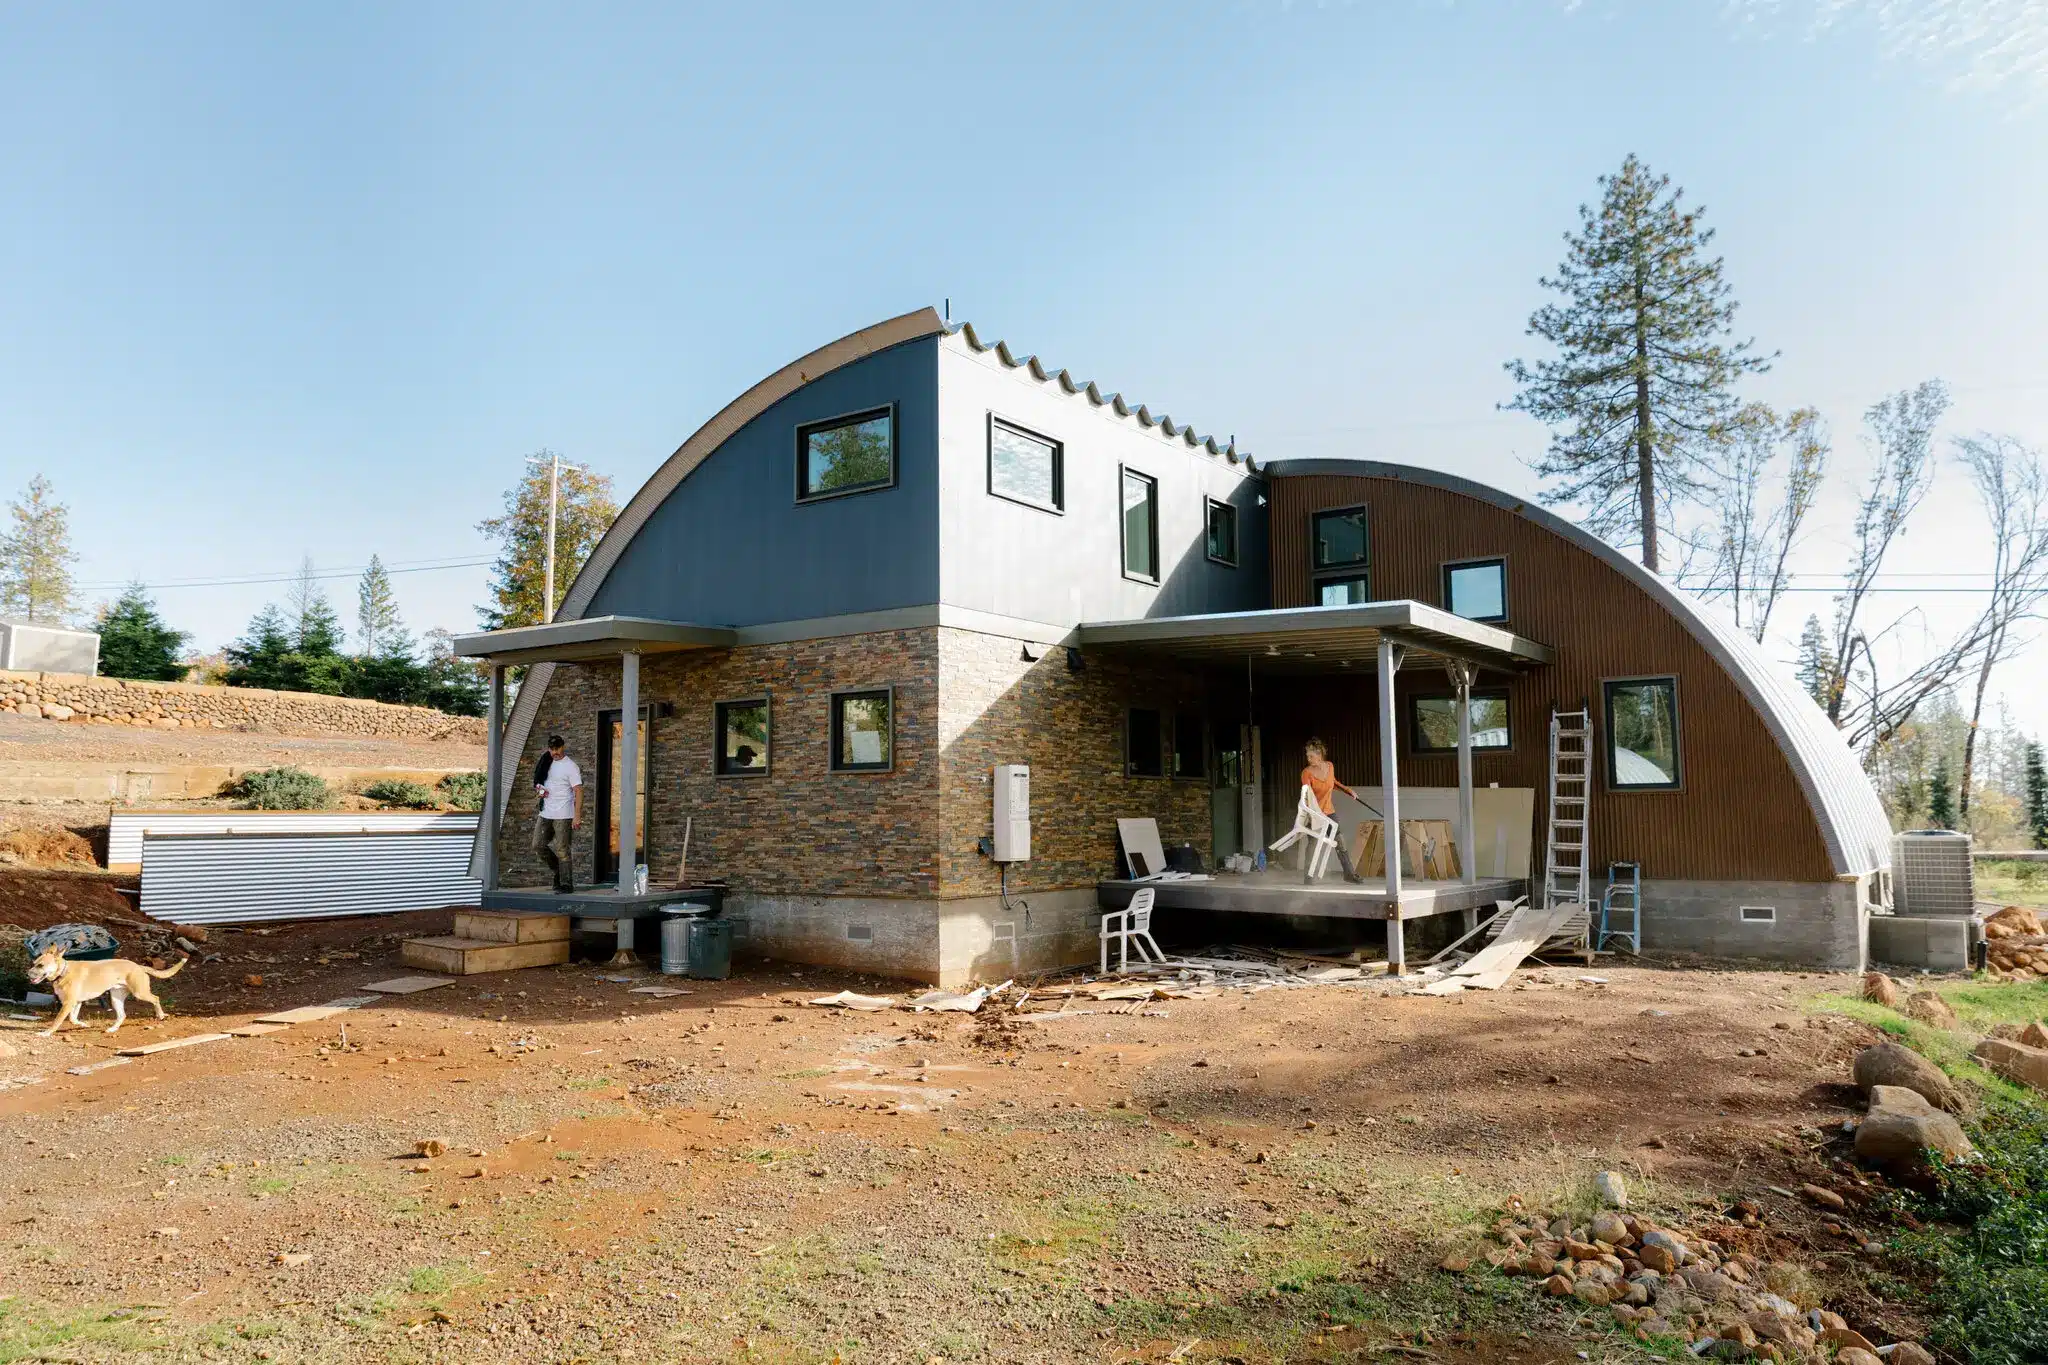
(1566, 846)
(1623, 880)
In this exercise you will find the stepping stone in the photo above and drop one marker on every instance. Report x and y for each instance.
(258, 1030)
(150, 1050)
(91, 1067)
(409, 985)
(313, 1014)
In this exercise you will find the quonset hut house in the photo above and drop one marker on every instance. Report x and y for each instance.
(887, 573)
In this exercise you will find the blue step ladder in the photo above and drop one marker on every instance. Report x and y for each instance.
(1623, 897)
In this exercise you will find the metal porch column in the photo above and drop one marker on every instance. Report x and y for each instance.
(628, 777)
(1461, 675)
(1390, 803)
(494, 776)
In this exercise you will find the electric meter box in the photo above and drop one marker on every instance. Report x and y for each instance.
(1013, 813)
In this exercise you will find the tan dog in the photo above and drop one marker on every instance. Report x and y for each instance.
(77, 982)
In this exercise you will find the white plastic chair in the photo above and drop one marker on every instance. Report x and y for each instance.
(1310, 823)
(1130, 926)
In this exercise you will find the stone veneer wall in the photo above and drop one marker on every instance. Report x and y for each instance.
(79, 697)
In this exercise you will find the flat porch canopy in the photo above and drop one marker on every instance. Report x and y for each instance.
(624, 638)
(1376, 637)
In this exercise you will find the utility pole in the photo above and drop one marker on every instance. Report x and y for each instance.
(547, 589)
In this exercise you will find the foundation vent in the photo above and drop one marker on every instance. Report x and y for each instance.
(1932, 873)
(860, 933)
(1759, 914)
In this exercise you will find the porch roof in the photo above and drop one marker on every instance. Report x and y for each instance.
(592, 637)
(1321, 639)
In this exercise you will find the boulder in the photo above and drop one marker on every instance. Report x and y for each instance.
(1894, 1064)
(1592, 1293)
(1930, 1009)
(1847, 1339)
(1608, 1227)
(1880, 989)
(2035, 1034)
(2015, 1061)
(1903, 1127)
(1856, 1355)
(1908, 1353)
(2011, 921)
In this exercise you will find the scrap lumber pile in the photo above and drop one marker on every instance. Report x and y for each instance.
(2016, 945)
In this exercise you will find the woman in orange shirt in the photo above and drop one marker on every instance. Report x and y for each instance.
(1320, 777)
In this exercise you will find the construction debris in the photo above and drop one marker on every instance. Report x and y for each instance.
(851, 1001)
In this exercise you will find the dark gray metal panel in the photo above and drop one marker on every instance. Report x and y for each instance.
(242, 878)
(730, 546)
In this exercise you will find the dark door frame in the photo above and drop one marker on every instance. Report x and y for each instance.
(603, 864)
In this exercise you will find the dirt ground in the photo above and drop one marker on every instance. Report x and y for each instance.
(734, 1175)
(24, 739)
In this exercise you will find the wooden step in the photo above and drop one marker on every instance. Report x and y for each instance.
(457, 956)
(512, 926)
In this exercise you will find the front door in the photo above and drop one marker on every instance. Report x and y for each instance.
(608, 765)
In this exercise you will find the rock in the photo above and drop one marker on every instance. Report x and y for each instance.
(2017, 1062)
(1821, 1320)
(31, 710)
(7, 1049)
(1457, 1262)
(1608, 1227)
(1931, 1010)
(1540, 1266)
(168, 1234)
(1636, 1294)
(52, 712)
(1908, 1353)
(1581, 1251)
(1657, 1258)
(2035, 1034)
(293, 1258)
(1558, 1287)
(1592, 1293)
(1846, 1339)
(1903, 1127)
(2011, 921)
(1669, 1244)
(1893, 1064)
(1880, 989)
(1826, 1198)
(430, 1147)
(1612, 1189)
(1856, 1355)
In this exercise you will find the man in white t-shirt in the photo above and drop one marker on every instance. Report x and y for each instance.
(561, 810)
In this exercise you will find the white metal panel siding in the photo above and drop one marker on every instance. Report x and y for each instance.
(126, 827)
(238, 878)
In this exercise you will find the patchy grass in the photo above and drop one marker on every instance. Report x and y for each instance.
(28, 1333)
(1979, 1005)
(2010, 881)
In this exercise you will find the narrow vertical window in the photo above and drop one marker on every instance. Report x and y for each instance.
(1144, 743)
(1222, 532)
(1340, 557)
(1141, 525)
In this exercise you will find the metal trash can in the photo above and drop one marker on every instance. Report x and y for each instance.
(675, 937)
(710, 947)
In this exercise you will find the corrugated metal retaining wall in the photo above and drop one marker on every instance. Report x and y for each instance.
(238, 878)
(126, 827)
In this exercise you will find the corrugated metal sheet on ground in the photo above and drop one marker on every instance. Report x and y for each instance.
(126, 827)
(237, 878)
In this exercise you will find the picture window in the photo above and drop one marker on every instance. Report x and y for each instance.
(846, 455)
(1477, 589)
(863, 730)
(1433, 723)
(1642, 734)
(1026, 467)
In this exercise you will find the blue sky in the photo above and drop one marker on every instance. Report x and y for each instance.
(301, 281)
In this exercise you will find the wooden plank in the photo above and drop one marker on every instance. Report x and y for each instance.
(512, 926)
(257, 1030)
(91, 1067)
(1528, 927)
(191, 1040)
(469, 957)
(313, 1014)
(409, 985)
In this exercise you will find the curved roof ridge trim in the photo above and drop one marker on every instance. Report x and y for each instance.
(1851, 820)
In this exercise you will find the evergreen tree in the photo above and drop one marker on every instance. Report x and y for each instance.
(314, 624)
(585, 512)
(2036, 795)
(1941, 797)
(135, 642)
(36, 557)
(379, 628)
(1639, 393)
(1816, 667)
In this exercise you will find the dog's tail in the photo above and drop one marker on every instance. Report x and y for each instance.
(167, 971)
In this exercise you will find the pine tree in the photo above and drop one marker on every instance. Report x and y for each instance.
(135, 642)
(1816, 667)
(1639, 393)
(379, 628)
(586, 511)
(314, 624)
(36, 557)
(2036, 795)
(1941, 797)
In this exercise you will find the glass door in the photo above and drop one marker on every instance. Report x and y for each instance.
(608, 766)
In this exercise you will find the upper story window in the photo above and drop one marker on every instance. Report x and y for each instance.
(1141, 526)
(1477, 589)
(1642, 734)
(1340, 551)
(850, 454)
(1221, 533)
(1026, 467)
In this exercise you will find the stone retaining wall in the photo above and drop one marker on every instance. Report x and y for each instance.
(78, 698)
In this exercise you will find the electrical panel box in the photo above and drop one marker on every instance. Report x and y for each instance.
(1013, 813)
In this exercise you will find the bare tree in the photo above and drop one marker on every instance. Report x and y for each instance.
(1752, 541)
(2014, 490)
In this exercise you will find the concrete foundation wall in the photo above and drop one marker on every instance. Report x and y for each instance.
(1815, 924)
(1940, 943)
(943, 943)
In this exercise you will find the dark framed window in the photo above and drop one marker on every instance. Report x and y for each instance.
(1642, 734)
(1140, 525)
(1343, 592)
(864, 730)
(850, 454)
(1144, 743)
(1433, 723)
(1220, 532)
(1190, 745)
(1477, 589)
(1339, 539)
(1026, 467)
(742, 738)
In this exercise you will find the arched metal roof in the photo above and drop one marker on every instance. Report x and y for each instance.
(1844, 805)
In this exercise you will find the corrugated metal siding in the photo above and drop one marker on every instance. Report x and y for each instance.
(240, 878)
(126, 827)
(1743, 813)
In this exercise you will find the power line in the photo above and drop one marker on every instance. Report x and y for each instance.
(413, 566)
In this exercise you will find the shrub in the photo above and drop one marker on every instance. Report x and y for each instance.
(464, 791)
(398, 792)
(286, 788)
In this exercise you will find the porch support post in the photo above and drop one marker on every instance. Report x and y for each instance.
(494, 776)
(629, 770)
(1461, 675)
(1390, 802)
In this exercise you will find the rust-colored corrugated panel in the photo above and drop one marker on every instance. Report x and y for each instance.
(1742, 813)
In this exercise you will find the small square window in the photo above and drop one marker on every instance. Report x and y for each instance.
(1433, 723)
(1477, 589)
(1024, 467)
(846, 455)
(1144, 743)
(1343, 592)
(743, 738)
(1340, 540)
(1222, 532)
(1190, 745)
(863, 730)
(1141, 525)
(1642, 734)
